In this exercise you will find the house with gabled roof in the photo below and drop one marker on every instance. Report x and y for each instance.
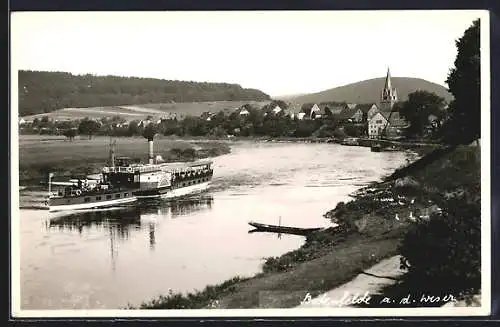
(311, 110)
(325, 110)
(368, 109)
(354, 115)
(387, 123)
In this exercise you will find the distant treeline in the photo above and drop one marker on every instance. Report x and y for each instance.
(259, 122)
(42, 92)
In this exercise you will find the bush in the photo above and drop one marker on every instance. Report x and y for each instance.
(446, 250)
(354, 130)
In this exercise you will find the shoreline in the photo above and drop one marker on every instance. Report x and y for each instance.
(370, 229)
(294, 267)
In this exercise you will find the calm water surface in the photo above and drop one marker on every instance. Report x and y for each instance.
(107, 259)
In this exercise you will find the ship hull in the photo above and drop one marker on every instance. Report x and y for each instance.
(78, 203)
(82, 206)
(186, 190)
(173, 192)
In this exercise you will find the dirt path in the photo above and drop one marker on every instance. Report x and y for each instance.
(370, 282)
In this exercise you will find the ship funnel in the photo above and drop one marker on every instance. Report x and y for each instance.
(151, 155)
(112, 153)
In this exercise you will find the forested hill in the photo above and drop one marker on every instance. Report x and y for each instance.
(41, 92)
(368, 91)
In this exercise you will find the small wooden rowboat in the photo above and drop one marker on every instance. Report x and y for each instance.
(282, 229)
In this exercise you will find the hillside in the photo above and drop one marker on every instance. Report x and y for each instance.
(369, 91)
(137, 112)
(42, 92)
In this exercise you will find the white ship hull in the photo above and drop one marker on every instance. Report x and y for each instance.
(101, 204)
(182, 191)
(177, 192)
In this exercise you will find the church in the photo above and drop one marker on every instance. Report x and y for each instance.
(385, 122)
(389, 95)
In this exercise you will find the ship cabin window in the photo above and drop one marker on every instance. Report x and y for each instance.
(98, 198)
(108, 197)
(117, 196)
(125, 195)
(86, 199)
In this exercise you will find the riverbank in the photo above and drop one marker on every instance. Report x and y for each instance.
(370, 229)
(38, 157)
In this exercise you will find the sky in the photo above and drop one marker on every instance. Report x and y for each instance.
(280, 53)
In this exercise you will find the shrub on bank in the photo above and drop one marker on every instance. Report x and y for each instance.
(445, 252)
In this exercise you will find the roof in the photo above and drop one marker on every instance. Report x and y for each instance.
(396, 120)
(365, 107)
(306, 107)
(347, 113)
(325, 108)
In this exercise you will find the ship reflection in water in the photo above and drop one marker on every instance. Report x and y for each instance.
(119, 223)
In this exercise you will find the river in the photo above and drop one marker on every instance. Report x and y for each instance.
(108, 259)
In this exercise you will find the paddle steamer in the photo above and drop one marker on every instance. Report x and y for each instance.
(125, 181)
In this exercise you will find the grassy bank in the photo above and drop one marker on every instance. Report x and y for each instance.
(40, 155)
(371, 228)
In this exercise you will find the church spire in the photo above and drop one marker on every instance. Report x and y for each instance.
(388, 81)
(389, 94)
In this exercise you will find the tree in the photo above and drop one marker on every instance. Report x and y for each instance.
(150, 132)
(88, 127)
(464, 82)
(417, 109)
(133, 128)
(70, 133)
(463, 124)
(454, 239)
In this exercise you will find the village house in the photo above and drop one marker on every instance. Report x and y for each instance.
(311, 111)
(244, 112)
(333, 108)
(293, 110)
(207, 115)
(376, 125)
(276, 110)
(325, 110)
(288, 113)
(369, 110)
(347, 115)
(386, 124)
(433, 123)
(122, 125)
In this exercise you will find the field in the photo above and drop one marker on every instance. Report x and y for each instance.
(39, 155)
(157, 110)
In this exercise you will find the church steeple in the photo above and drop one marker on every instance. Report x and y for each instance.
(389, 94)
(388, 80)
